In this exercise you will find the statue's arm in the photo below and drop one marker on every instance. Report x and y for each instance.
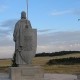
(14, 33)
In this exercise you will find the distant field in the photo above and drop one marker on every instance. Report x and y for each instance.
(5, 62)
(72, 69)
(44, 60)
(41, 61)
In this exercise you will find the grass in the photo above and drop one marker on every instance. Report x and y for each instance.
(41, 61)
(5, 62)
(64, 69)
(69, 69)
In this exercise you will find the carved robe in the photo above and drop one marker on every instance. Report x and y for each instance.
(24, 38)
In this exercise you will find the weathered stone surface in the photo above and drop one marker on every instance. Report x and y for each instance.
(27, 73)
(25, 41)
(48, 76)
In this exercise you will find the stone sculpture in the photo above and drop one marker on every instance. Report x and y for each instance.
(25, 39)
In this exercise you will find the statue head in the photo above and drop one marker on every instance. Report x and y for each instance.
(23, 15)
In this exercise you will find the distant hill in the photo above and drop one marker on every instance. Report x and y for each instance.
(61, 53)
(64, 61)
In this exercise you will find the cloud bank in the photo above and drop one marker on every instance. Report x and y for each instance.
(48, 41)
(58, 41)
(64, 12)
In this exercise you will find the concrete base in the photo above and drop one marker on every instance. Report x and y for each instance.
(26, 73)
(78, 76)
(47, 76)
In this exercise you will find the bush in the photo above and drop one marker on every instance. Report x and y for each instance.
(64, 61)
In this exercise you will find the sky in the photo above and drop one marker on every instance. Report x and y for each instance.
(56, 21)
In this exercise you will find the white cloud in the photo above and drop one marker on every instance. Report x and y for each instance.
(7, 27)
(6, 51)
(57, 13)
(48, 42)
(8, 23)
(60, 47)
(58, 41)
(70, 11)
(45, 30)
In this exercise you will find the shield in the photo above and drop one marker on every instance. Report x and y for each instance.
(30, 45)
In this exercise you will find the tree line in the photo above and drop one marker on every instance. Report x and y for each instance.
(64, 61)
(43, 54)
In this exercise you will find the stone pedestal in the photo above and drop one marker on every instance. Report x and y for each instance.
(26, 73)
(78, 76)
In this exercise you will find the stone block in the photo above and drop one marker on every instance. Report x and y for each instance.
(27, 73)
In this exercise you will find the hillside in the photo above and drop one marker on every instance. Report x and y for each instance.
(45, 59)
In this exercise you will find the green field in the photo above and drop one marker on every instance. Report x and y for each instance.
(41, 61)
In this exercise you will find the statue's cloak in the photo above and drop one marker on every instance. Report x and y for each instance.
(25, 41)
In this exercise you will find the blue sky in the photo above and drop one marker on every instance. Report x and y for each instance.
(56, 21)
